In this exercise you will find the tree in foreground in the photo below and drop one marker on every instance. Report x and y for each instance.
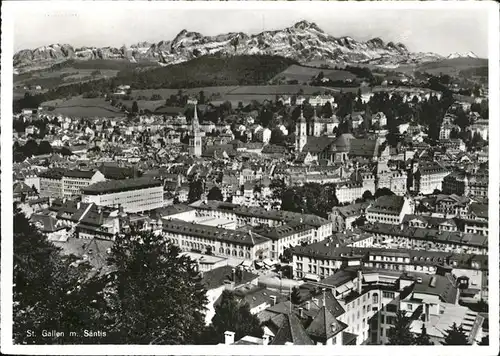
(231, 316)
(423, 338)
(400, 333)
(50, 291)
(456, 336)
(155, 294)
(215, 194)
(295, 296)
(383, 191)
(195, 190)
(367, 195)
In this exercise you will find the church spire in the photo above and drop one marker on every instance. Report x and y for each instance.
(301, 117)
(195, 123)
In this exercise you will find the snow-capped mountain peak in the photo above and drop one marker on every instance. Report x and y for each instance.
(304, 41)
(469, 54)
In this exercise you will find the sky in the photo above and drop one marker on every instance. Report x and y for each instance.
(424, 30)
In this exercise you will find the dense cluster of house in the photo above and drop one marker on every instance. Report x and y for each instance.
(409, 232)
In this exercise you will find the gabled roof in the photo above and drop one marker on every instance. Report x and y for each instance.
(363, 147)
(292, 331)
(324, 325)
(480, 210)
(387, 204)
(47, 223)
(21, 187)
(317, 144)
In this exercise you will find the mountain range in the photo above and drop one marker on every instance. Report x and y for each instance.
(304, 42)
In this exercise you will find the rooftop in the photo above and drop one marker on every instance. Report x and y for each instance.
(217, 277)
(211, 232)
(279, 232)
(431, 235)
(115, 186)
(387, 204)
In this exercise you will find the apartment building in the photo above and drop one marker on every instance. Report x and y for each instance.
(285, 236)
(343, 216)
(133, 195)
(51, 183)
(428, 177)
(476, 219)
(452, 205)
(348, 192)
(389, 209)
(466, 184)
(431, 301)
(73, 181)
(396, 181)
(256, 216)
(411, 237)
(221, 242)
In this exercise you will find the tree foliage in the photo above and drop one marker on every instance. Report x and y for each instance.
(295, 296)
(455, 336)
(203, 71)
(383, 191)
(277, 137)
(399, 333)
(215, 194)
(195, 190)
(150, 294)
(311, 198)
(423, 338)
(230, 315)
(155, 294)
(50, 292)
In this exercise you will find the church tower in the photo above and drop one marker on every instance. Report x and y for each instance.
(195, 142)
(316, 125)
(300, 133)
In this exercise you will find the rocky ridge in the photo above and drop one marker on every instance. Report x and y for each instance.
(304, 42)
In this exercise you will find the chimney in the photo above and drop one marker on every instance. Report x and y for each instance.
(360, 281)
(427, 310)
(229, 337)
(334, 291)
(308, 305)
(273, 298)
(301, 312)
(265, 339)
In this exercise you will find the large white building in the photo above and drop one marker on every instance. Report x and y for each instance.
(75, 180)
(389, 209)
(220, 242)
(286, 236)
(133, 195)
(428, 177)
(322, 228)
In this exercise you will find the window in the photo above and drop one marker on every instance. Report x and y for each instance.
(392, 308)
(410, 306)
(390, 320)
(390, 295)
(375, 298)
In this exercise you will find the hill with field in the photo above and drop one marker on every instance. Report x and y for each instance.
(303, 74)
(452, 66)
(206, 71)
